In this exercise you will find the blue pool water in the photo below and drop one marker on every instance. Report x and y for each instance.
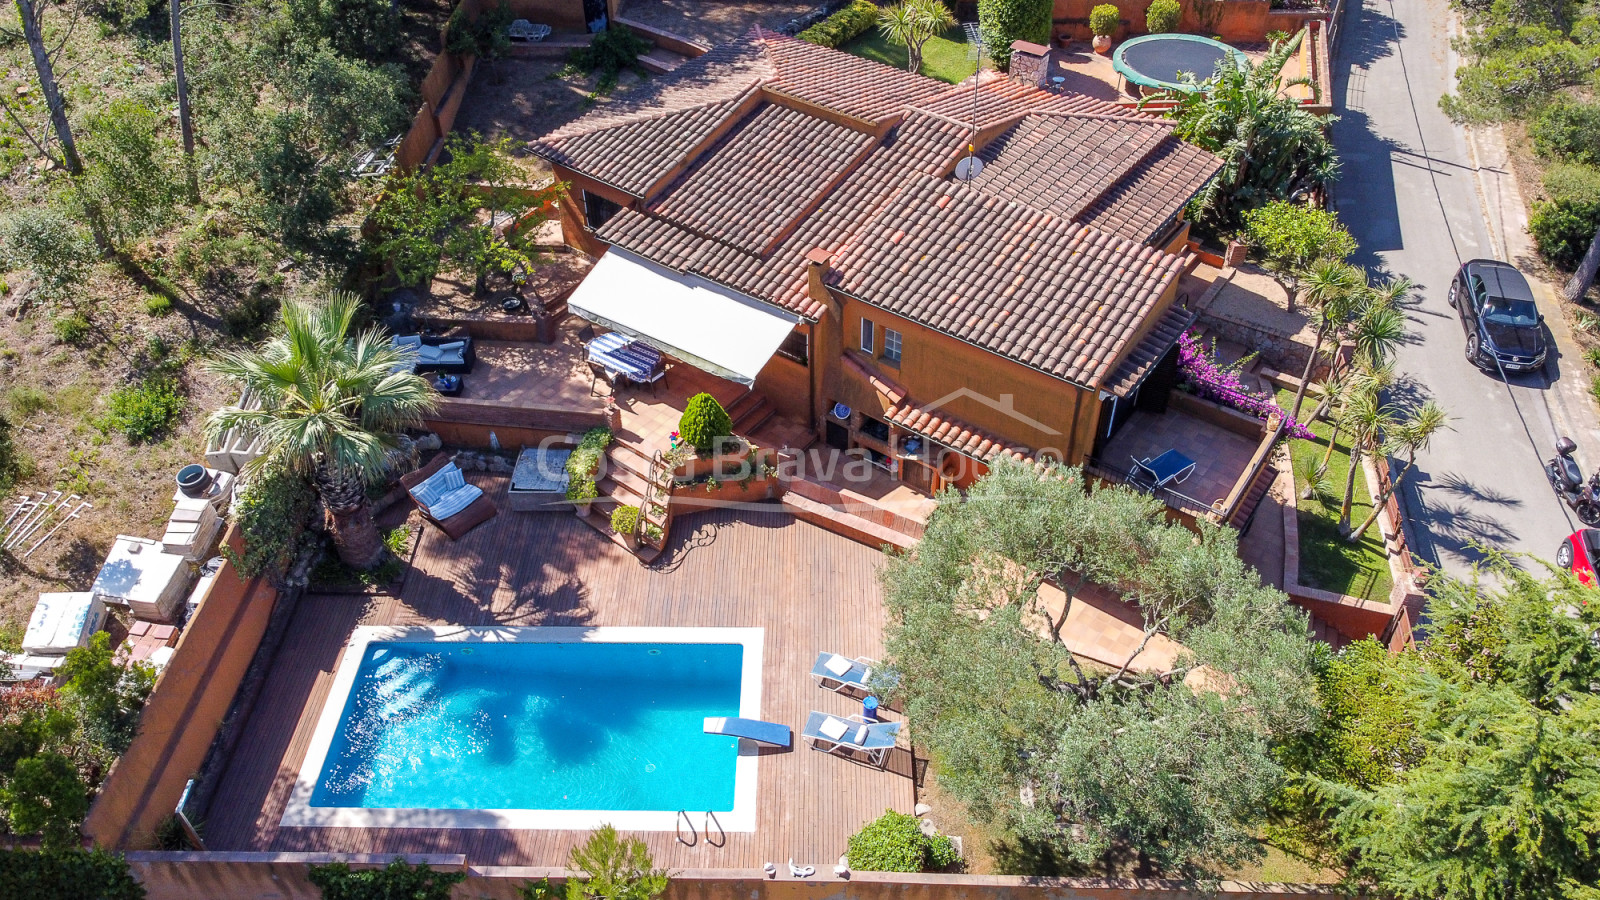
(603, 726)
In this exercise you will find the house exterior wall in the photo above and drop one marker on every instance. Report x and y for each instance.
(574, 231)
(787, 384)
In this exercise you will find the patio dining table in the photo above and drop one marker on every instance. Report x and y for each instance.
(617, 352)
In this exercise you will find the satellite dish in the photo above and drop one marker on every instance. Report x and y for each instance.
(968, 168)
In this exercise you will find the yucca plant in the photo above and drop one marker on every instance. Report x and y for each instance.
(332, 403)
(914, 23)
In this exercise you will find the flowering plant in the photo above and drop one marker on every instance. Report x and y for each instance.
(674, 439)
(1204, 377)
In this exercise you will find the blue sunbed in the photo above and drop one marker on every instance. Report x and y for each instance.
(855, 674)
(753, 729)
(852, 736)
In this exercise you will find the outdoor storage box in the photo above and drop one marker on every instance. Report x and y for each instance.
(63, 622)
(142, 576)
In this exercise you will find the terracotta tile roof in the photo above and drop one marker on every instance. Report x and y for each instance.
(1150, 349)
(1050, 294)
(1000, 100)
(634, 142)
(751, 186)
(842, 82)
(932, 423)
(1147, 199)
(953, 433)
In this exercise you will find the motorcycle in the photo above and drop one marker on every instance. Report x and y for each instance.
(1567, 480)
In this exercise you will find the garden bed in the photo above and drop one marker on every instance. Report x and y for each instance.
(1327, 560)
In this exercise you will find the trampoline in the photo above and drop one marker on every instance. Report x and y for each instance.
(1153, 61)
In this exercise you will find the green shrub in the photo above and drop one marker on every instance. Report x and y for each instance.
(894, 842)
(397, 881)
(71, 874)
(1001, 22)
(144, 411)
(25, 400)
(158, 304)
(610, 52)
(104, 694)
(13, 468)
(1568, 130)
(625, 520)
(1104, 20)
(333, 572)
(71, 328)
(1162, 16)
(484, 37)
(704, 420)
(272, 512)
(1564, 225)
(585, 460)
(45, 796)
(854, 20)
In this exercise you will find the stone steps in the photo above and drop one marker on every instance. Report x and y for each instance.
(846, 524)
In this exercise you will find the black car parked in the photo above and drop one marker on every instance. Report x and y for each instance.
(1501, 320)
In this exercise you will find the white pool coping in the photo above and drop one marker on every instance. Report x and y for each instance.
(299, 813)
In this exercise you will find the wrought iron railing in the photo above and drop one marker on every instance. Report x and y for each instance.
(1172, 498)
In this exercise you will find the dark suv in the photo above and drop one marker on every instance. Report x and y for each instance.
(1501, 320)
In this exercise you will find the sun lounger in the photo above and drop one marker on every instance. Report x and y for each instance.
(454, 508)
(836, 672)
(750, 729)
(852, 738)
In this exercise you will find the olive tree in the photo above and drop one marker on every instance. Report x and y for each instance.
(1173, 762)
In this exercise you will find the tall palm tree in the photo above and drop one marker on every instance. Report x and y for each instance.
(1331, 289)
(1364, 418)
(1347, 384)
(331, 404)
(914, 23)
(1411, 436)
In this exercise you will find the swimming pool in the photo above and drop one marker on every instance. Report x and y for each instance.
(553, 728)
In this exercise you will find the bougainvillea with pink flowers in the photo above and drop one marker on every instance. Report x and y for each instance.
(1202, 376)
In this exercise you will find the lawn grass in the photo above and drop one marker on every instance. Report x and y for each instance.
(1327, 560)
(943, 57)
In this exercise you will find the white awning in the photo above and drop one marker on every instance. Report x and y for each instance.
(685, 316)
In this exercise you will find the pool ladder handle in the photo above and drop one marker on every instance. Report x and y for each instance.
(694, 836)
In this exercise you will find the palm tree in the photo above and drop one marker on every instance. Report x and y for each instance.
(1331, 289)
(1411, 436)
(914, 23)
(1346, 384)
(1364, 418)
(1375, 330)
(331, 404)
(1271, 148)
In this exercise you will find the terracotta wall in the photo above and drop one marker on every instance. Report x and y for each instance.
(788, 384)
(1241, 20)
(183, 713)
(574, 230)
(183, 876)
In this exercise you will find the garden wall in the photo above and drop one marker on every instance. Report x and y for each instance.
(1239, 21)
(184, 876)
(185, 710)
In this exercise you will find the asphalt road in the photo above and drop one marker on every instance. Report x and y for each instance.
(1410, 195)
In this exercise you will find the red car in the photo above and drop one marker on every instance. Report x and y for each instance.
(1579, 552)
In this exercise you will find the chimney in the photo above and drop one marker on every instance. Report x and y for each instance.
(817, 261)
(1030, 62)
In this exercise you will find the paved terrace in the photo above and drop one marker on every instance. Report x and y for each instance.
(810, 590)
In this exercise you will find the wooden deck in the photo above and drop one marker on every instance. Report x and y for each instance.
(809, 589)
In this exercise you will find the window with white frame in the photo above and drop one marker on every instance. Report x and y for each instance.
(891, 346)
(868, 344)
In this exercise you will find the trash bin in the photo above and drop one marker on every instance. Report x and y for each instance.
(869, 709)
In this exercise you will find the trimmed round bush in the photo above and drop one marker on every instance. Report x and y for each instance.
(1162, 16)
(894, 842)
(704, 420)
(1003, 22)
(1568, 130)
(1104, 19)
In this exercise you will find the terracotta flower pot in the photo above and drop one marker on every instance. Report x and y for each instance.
(1102, 43)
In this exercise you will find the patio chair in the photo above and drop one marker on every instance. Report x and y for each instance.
(853, 738)
(837, 673)
(750, 729)
(523, 30)
(1170, 467)
(598, 373)
(446, 500)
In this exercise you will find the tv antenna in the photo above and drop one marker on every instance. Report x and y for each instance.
(969, 167)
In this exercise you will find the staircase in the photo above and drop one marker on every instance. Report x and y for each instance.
(851, 515)
(660, 60)
(1247, 507)
(751, 411)
(626, 481)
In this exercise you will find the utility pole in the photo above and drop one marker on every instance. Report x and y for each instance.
(185, 124)
(47, 83)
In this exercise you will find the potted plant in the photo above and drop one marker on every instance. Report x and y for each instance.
(1103, 21)
(580, 493)
(625, 521)
(1162, 16)
(703, 422)
(653, 534)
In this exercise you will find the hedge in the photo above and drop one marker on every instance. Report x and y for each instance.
(67, 875)
(839, 28)
(1563, 225)
(894, 842)
(1004, 21)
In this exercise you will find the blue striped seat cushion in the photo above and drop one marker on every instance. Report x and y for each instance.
(430, 492)
(454, 501)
